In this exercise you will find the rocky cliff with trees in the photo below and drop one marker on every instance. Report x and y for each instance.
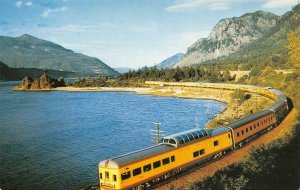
(42, 83)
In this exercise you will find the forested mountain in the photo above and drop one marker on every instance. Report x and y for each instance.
(229, 36)
(7, 73)
(270, 49)
(30, 52)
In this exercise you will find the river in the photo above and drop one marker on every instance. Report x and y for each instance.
(55, 140)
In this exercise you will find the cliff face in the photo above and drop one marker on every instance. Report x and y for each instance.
(42, 83)
(229, 36)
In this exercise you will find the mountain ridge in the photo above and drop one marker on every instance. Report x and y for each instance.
(270, 49)
(170, 62)
(30, 52)
(228, 36)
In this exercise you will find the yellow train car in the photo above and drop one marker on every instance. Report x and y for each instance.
(145, 167)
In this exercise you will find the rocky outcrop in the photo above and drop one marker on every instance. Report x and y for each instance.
(229, 36)
(43, 83)
(26, 83)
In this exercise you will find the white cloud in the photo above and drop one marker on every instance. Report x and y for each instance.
(29, 3)
(48, 12)
(213, 5)
(19, 4)
(279, 3)
(219, 6)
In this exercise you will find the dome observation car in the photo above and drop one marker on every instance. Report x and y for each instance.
(184, 137)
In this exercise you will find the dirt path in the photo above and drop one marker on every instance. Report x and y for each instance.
(285, 128)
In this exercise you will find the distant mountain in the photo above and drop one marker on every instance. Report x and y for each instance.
(7, 73)
(229, 36)
(123, 69)
(30, 52)
(171, 61)
(271, 47)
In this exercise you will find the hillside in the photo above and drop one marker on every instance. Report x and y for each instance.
(29, 52)
(229, 36)
(7, 73)
(171, 61)
(270, 49)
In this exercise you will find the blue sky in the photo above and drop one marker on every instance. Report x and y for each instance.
(125, 33)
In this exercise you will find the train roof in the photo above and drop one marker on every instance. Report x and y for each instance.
(179, 138)
(281, 96)
(248, 119)
(139, 155)
(185, 137)
(218, 131)
(277, 105)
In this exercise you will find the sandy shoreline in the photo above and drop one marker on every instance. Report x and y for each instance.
(102, 89)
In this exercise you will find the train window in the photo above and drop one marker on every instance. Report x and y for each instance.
(125, 175)
(172, 158)
(156, 164)
(172, 141)
(196, 136)
(115, 177)
(136, 171)
(166, 140)
(106, 175)
(191, 137)
(229, 136)
(147, 168)
(216, 143)
(262, 123)
(242, 132)
(246, 130)
(166, 161)
(196, 154)
(202, 151)
(200, 134)
(181, 141)
(250, 128)
(238, 134)
(100, 175)
(258, 124)
(185, 138)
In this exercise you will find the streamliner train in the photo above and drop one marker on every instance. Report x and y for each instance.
(143, 168)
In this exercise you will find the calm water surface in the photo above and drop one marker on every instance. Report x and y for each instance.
(55, 140)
